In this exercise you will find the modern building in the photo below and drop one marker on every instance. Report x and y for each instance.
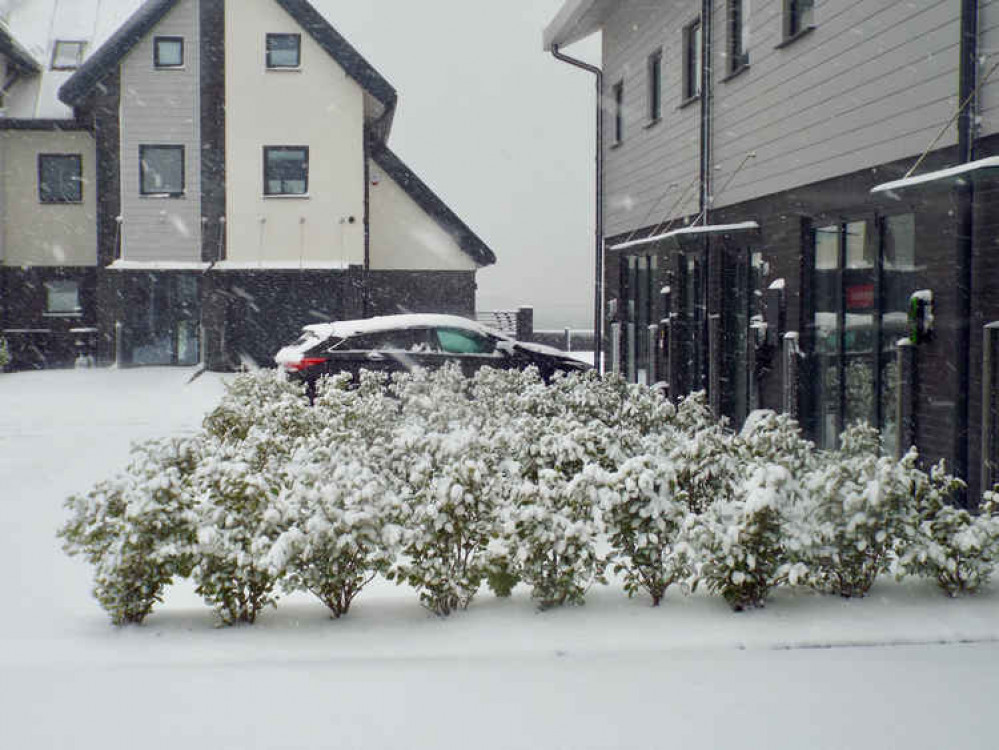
(203, 181)
(757, 241)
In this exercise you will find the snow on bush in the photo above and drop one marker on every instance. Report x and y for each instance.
(4, 353)
(137, 529)
(949, 544)
(738, 542)
(644, 519)
(241, 514)
(860, 507)
(342, 526)
(443, 482)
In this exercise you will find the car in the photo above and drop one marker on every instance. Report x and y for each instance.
(396, 343)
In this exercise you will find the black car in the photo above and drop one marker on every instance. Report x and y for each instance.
(394, 343)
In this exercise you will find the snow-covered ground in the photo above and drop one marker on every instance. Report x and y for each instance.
(904, 668)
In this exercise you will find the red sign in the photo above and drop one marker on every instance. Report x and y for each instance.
(860, 297)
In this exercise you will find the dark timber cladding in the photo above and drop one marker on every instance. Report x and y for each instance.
(213, 200)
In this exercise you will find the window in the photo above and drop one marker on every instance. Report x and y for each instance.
(62, 297)
(60, 178)
(738, 35)
(618, 112)
(455, 341)
(168, 52)
(67, 55)
(655, 86)
(286, 170)
(161, 170)
(284, 51)
(798, 17)
(692, 60)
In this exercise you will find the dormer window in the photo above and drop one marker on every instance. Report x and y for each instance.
(284, 51)
(67, 55)
(168, 52)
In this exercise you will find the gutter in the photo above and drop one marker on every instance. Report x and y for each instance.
(598, 303)
(967, 85)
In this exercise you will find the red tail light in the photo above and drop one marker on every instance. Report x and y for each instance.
(303, 364)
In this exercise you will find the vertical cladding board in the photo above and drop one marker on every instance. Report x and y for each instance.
(655, 164)
(874, 82)
(162, 106)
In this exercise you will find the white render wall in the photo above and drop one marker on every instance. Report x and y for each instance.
(162, 107)
(43, 234)
(318, 106)
(403, 236)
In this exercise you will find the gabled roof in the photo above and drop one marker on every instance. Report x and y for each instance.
(111, 53)
(428, 200)
(18, 55)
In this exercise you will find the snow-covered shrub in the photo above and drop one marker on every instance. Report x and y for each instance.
(861, 506)
(263, 399)
(707, 461)
(137, 529)
(236, 489)
(770, 437)
(949, 544)
(553, 529)
(643, 520)
(4, 353)
(738, 544)
(448, 488)
(343, 526)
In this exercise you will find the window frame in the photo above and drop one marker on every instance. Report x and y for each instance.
(737, 47)
(145, 147)
(268, 61)
(693, 70)
(78, 159)
(157, 61)
(618, 94)
(49, 312)
(654, 70)
(797, 20)
(81, 46)
(271, 149)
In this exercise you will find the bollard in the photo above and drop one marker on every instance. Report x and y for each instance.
(906, 394)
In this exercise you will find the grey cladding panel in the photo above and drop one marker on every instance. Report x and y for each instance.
(162, 106)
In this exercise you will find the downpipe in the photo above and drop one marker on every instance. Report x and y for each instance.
(598, 303)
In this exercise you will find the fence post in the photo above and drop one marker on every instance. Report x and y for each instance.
(990, 407)
(653, 334)
(790, 372)
(525, 324)
(907, 395)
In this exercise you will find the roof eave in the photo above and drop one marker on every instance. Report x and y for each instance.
(18, 56)
(576, 20)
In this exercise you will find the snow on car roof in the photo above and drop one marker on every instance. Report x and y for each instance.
(344, 328)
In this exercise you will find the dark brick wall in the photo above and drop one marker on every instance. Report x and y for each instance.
(784, 241)
(394, 292)
(37, 339)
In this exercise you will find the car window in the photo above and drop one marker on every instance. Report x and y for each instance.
(404, 340)
(455, 341)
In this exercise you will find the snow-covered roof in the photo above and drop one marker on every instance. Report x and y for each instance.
(38, 25)
(575, 21)
(745, 226)
(108, 57)
(15, 53)
(939, 175)
(344, 328)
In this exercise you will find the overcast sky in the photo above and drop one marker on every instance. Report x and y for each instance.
(502, 131)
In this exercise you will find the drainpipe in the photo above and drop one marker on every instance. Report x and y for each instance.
(706, 101)
(965, 229)
(598, 304)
